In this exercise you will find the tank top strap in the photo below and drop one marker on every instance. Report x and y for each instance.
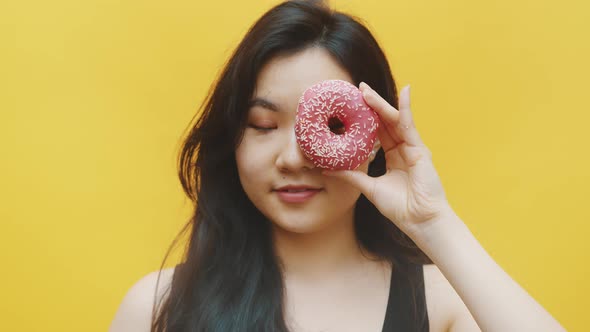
(406, 306)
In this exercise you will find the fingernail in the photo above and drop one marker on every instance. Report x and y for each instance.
(366, 90)
(363, 85)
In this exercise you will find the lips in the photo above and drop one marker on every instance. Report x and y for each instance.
(296, 193)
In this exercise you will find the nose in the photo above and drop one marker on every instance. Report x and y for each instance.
(291, 158)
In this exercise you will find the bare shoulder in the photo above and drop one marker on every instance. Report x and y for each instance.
(135, 310)
(445, 307)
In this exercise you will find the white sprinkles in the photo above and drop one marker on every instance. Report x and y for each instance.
(340, 99)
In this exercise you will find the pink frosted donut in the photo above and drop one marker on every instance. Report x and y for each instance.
(334, 126)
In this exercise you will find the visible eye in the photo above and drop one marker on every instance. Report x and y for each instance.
(261, 129)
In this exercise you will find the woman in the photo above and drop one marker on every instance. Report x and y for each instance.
(277, 244)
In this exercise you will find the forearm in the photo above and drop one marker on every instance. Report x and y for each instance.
(495, 300)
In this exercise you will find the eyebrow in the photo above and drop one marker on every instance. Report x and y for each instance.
(264, 103)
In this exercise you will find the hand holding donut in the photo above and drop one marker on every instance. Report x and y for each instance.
(410, 193)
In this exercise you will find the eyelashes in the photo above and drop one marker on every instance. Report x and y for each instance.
(261, 129)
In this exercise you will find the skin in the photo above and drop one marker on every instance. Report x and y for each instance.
(325, 271)
(326, 274)
(315, 240)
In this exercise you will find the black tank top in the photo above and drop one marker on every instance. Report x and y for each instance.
(406, 306)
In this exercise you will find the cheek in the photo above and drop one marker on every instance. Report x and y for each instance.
(244, 160)
(253, 163)
(343, 191)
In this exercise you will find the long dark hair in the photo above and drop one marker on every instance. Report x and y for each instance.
(230, 278)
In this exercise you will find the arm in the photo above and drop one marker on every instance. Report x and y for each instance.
(135, 311)
(495, 300)
(410, 194)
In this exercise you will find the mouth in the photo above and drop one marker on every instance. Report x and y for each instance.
(296, 193)
(297, 188)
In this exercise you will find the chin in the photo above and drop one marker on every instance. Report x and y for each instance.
(299, 225)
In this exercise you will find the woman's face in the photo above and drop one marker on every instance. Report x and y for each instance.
(277, 177)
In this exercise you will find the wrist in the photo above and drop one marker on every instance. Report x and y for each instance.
(443, 225)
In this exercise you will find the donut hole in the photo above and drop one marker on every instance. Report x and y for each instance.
(336, 126)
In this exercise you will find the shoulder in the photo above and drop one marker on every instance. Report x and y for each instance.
(135, 311)
(445, 307)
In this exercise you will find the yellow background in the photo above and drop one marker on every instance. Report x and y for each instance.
(95, 95)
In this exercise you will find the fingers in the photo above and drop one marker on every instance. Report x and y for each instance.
(387, 142)
(406, 120)
(398, 124)
(388, 115)
(358, 179)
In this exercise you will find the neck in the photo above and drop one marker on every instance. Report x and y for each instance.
(320, 255)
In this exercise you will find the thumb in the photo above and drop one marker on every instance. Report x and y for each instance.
(358, 179)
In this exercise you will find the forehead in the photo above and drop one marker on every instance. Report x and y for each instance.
(284, 78)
